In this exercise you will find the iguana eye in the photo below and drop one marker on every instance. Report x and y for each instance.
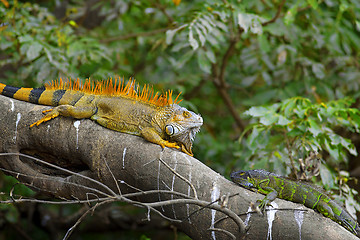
(169, 130)
(186, 114)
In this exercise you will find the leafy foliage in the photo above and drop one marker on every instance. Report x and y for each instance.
(287, 131)
(290, 67)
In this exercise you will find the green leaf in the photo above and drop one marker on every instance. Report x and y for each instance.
(264, 43)
(201, 36)
(269, 119)
(203, 61)
(314, 128)
(327, 177)
(313, 3)
(249, 22)
(25, 38)
(193, 43)
(319, 70)
(333, 150)
(256, 111)
(210, 55)
(33, 51)
(184, 59)
(289, 107)
(346, 143)
(290, 15)
(296, 132)
(283, 121)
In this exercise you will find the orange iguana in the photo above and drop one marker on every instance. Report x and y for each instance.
(117, 106)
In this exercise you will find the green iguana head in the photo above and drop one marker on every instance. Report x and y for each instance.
(243, 178)
(249, 179)
(182, 127)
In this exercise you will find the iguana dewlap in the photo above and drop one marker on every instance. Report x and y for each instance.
(120, 107)
(275, 186)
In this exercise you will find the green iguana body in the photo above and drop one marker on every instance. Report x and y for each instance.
(117, 106)
(275, 186)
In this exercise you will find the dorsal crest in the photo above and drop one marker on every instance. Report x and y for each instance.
(116, 87)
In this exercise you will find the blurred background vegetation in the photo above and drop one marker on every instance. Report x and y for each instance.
(277, 83)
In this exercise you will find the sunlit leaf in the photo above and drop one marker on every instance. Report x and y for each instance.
(283, 121)
(34, 51)
(314, 128)
(257, 111)
(193, 43)
(171, 33)
(269, 119)
(326, 177)
(201, 36)
(319, 70)
(249, 22)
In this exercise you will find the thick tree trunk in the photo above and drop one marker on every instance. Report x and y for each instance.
(134, 164)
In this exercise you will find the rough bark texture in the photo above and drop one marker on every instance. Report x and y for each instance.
(91, 150)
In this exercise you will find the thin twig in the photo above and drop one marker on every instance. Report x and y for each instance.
(50, 179)
(223, 231)
(62, 169)
(112, 175)
(181, 177)
(72, 228)
(277, 15)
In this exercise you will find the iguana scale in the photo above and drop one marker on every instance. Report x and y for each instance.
(273, 186)
(117, 106)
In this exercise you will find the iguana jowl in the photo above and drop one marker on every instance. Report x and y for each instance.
(275, 186)
(117, 106)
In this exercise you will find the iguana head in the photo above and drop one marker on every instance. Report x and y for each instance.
(182, 127)
(243, 178)
(250, 178)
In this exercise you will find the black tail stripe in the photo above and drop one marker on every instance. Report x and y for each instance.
(9, 91)
(35, 95)
(76, 98)
(58, 94)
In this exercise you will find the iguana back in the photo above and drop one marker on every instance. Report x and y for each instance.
(273, 186)
(117, 106)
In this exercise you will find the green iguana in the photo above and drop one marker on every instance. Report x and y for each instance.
(117, 106)
(273, 186)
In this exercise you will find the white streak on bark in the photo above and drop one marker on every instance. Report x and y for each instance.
(18, 117)
(299, 218)
(123, 158)
(76, 125)
(270, 217)
(215, 194)
(248, 215)
(12, 105)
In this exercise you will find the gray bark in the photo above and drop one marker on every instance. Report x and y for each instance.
(94, 151)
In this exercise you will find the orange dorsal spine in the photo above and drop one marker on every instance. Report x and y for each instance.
(116, 87)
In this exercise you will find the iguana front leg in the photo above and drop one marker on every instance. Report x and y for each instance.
(152, 136)
(78, 112)
(271, 195)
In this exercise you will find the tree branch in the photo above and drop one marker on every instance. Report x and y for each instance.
(277, 15)
(93, 154)
(221, 85)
